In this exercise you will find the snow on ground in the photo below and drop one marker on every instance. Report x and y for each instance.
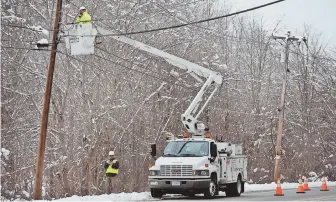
(145, 196)
(269, 187)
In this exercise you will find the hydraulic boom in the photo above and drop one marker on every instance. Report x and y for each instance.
(189, 117)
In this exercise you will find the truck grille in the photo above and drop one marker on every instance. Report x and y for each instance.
(176, 170)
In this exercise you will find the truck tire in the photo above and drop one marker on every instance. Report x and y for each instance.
(235, 189)
(210, 192)
(156, 193)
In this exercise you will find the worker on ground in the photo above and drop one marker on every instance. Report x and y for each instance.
(111, 167)
(84, 17)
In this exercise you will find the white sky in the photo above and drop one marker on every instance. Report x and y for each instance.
(320, 15)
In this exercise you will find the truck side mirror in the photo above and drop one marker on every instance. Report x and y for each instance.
(213, 149)
(153, 150)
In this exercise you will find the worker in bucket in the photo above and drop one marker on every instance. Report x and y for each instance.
(84, 17)
(111, 167)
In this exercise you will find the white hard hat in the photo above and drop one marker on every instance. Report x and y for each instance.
(82, 8)
(111, 153)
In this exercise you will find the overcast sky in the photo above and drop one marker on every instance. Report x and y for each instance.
(319, 14)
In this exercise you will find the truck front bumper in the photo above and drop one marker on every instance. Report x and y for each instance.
(172, 185)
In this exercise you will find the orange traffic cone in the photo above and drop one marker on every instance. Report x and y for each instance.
(324, 186)
(300, 189)
(305, 185)
(278, 190)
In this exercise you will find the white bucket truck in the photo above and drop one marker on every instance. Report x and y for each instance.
(194, 163)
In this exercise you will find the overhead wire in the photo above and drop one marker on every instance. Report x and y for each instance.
(213, 32)
(195, 22)
(24, 27)
(15, 40)
(216, 33)
(24, 48)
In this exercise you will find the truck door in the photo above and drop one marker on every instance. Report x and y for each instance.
(215, 156)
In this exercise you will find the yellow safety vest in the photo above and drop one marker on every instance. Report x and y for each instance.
(111, 170)
(85, 18)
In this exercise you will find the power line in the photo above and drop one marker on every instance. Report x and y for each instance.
(15, 40)
(196, 22)
(24, 27)
(212, 31)
(23, 48)
(215, 32)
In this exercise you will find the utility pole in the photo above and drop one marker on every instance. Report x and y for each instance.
(288, 39)
(46, 102)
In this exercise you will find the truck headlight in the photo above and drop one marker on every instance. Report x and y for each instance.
(201, 172)
(153, 172)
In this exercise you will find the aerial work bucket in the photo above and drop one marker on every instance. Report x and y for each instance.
(80, 38)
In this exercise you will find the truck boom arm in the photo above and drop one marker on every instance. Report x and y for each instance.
(189, 117)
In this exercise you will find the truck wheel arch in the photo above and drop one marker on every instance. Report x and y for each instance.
(243, 183)
(214, 176)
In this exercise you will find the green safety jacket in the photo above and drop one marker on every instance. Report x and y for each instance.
(112, 170)
(85, 18)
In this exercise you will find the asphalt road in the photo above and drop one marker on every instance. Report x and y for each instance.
(289, 195)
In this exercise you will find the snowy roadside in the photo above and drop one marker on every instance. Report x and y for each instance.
(271, 186)
(145, 196)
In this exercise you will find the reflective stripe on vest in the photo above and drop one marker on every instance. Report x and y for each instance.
(111, 170)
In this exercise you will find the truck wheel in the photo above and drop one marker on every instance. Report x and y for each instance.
(211, 191)
(156, 193)
(235, 189)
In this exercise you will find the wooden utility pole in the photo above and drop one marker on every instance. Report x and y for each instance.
(288, 39)
(46, 102)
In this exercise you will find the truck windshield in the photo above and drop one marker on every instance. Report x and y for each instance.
(187, 148)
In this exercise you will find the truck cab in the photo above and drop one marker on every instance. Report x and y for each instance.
(198, 165)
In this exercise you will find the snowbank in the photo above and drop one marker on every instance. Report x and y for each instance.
(269, 187)
(145, 196)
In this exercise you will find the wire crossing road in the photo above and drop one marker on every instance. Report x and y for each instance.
(290, 195)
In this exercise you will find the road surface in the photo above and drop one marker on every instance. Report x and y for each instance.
(289, 195)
